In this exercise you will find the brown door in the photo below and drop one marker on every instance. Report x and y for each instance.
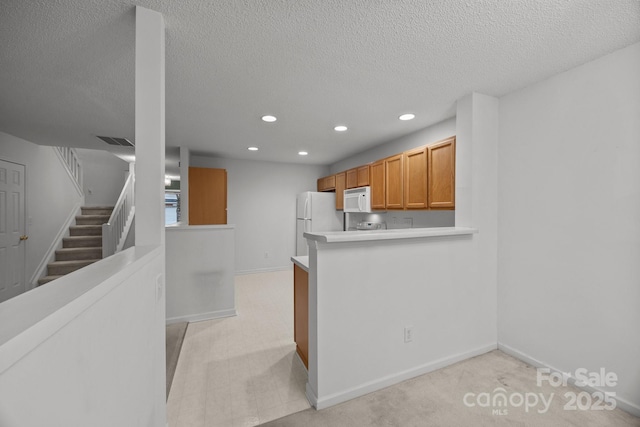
(207, 196)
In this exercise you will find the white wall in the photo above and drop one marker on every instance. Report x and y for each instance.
(569, 231)
(51, 196)
(424, 136)
(103, 177)
(261, 202)
(200, 280)
(444, 287)
(89, 351)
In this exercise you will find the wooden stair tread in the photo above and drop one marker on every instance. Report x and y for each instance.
(81, 249)
(47, 279)
(73, 262)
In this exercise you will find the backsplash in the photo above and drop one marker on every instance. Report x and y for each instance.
(404, 219)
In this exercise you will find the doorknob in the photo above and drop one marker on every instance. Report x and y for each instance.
(24, 237)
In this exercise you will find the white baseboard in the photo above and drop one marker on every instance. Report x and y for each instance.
(56, 244)
(378, 384)
(203, 316)
(263, 270)
(621, 403)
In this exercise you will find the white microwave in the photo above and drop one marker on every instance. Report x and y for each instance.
(357, 199)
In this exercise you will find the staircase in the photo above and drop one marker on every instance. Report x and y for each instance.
(82, 247)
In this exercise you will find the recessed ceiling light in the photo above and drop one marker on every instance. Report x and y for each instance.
(252, 148)
(408, 116)
(269, 119)
(340, 128)
(302, 153)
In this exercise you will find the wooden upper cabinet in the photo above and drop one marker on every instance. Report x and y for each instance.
(376, 181)
(341, 179)
(358, 177)
(327, 183)
(352, 178)
(363, 176)
(415, 178)
(394, 182)
(442, 174)
(207, 196)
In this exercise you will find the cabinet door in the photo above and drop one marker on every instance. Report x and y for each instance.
(363, 176)
(340, 185)
(394, 178)
(352, 178)
(301, 313)
(415, 174)
(442, 174)
(327, 183)
(207, 196)
(377, 185)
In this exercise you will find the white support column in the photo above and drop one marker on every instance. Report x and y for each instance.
(476, 162)
(185, 160)
(149, 185)
(150, 127)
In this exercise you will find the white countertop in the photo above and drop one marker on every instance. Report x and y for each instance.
(302, 262)
(394, 234)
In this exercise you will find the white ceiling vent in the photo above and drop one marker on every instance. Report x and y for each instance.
(123, 142)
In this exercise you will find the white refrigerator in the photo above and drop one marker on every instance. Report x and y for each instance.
(315, 212)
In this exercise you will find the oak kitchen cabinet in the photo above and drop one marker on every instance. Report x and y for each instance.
(363, 176)
(358, 177)
(301, 313)
(352, 178)
(421, 178)
(415, 178)
(327, 183)
(394, 182)
(377, 183)
(207, 196)
(341, 181)
(442, 174)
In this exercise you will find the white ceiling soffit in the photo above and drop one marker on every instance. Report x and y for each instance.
(67, 68)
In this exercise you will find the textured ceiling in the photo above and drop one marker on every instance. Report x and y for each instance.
(66, 66)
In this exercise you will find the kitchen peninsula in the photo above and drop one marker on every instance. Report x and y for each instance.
(367, 289)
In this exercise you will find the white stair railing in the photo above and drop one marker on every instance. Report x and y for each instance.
(114, 232)
(71, 161)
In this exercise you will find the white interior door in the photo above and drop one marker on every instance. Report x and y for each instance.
(12, 230)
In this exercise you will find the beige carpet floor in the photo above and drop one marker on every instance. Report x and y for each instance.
(173, 344)
(437, 399)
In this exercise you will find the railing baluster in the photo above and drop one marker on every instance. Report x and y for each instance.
(120, 218)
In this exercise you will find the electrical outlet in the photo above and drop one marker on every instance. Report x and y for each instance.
(408, 333)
